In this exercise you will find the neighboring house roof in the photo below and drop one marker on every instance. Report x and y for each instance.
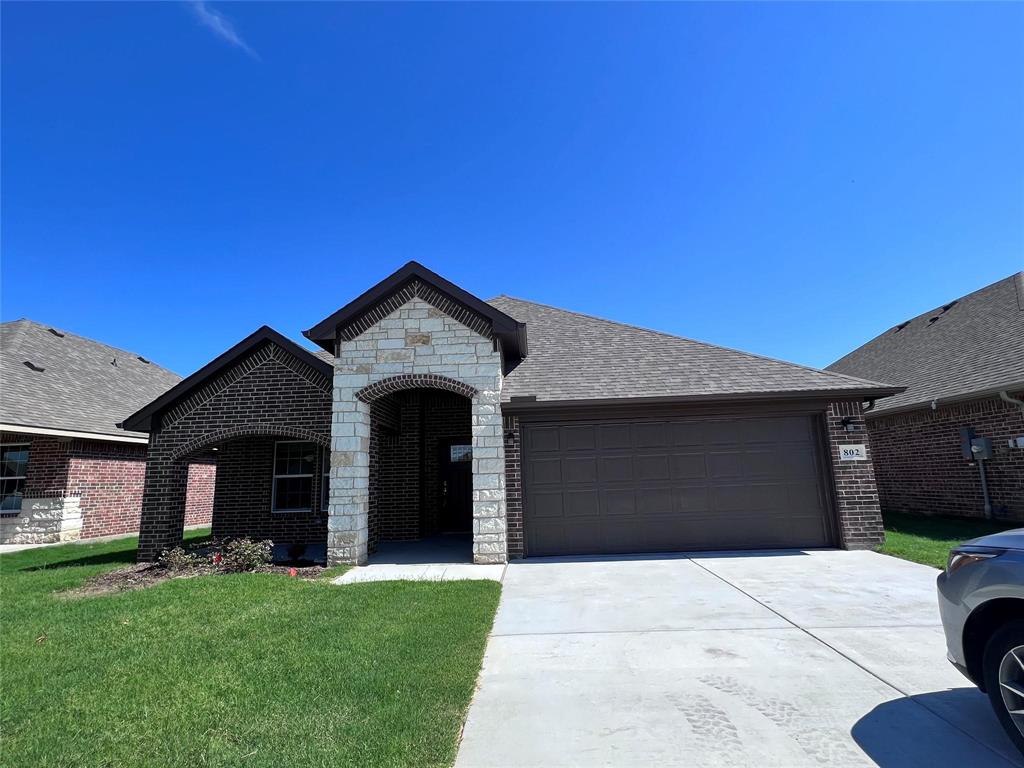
(970, 347)
(54, 380)
(142, 419)
(576, 357)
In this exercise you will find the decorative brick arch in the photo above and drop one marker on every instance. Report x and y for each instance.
(387, 386)
(248, 430)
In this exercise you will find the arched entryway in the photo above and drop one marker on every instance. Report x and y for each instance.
(420, 474)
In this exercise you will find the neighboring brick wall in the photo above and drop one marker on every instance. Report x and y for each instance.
(860, 517)
(202, 479)
(108, 479)
(102, 481)
(513, 486)
(270, 393)
(920, 468)
(242, 498)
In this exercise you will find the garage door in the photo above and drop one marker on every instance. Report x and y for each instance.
(673, 485)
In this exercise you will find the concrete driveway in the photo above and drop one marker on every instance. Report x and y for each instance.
(823, 658)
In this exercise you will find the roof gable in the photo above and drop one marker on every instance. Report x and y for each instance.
(207, 376)
(54, 379)
(576, 357)
(416, 281)
(972, 346)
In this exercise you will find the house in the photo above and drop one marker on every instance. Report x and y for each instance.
(66, 470)
(963, 368)
(531, 430)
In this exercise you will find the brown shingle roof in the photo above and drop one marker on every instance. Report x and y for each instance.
(972, 346)
(579, 357)
(80, 389)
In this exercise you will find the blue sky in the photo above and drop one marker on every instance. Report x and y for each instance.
(788, 179)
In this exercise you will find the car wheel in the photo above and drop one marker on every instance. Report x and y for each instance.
(1003, 668)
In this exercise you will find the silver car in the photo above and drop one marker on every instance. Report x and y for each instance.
(981, 599)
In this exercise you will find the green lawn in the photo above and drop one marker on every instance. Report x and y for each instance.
(240, 670)
(928, 539)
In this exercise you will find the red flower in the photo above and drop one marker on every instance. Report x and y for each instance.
(217, 558)
(292, 572)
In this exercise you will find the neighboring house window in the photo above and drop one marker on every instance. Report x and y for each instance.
(293, 476)
(13, 469)
(325, 481)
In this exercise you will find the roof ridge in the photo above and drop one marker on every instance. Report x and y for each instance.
(1014, 277)
(45, 327)
(692, 341)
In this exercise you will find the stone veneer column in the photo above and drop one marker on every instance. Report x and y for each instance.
(416, 338)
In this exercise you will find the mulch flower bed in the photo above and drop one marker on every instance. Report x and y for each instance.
(203, 560)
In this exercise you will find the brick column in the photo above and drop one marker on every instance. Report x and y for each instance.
(513, 488)
(860, 516)
(489, 545)
(349, 502)
(162, 524)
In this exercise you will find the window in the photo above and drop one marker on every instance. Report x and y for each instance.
(293, 476)
(460, 453)
(13, 468)
(325, 481)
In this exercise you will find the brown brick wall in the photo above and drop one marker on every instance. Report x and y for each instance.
(268, 394)
(856, 497)
(920, 468)
(107, 478)
(513, 487)
(242, 498)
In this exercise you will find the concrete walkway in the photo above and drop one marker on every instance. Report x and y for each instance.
(448, 557)
(784, 659)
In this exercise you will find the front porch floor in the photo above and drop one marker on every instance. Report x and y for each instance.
(447, 557)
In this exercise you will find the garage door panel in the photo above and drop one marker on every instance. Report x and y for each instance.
(674, 484)
(579, 469)
(655, 501)
(651, 435)
(582, 504)
(615, 469)
(612, 436)
(546, 471)
(579, 438)
(689, 466)
(725, 465)
(653, 467)
(618, 502)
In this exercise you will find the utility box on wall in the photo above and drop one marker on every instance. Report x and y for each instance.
(981, 448)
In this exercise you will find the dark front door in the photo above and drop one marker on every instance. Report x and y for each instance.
(456, 487)
(656, 485)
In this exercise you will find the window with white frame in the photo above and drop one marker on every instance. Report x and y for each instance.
(325, 480)
(293, 476)
(13, 470)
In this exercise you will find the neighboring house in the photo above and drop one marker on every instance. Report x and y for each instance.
(963, 368)
(66, 470)
(529, 429)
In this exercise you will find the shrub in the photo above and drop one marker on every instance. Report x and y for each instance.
(245, 555)
(178, 558)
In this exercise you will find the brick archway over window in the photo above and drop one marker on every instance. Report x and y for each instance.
(248, 430)
(387, 386)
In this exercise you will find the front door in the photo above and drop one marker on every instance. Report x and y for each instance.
(456, 486)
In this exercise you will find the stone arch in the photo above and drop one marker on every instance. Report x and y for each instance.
(248, 430)
(387, 386)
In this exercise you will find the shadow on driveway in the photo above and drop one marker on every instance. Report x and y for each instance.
(900, 733)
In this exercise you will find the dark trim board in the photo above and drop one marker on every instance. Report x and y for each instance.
(822, 468)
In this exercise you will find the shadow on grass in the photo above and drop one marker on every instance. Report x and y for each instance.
(944, 528)
(125, 557)
(71, 556)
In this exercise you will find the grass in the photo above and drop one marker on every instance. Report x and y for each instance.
(240, 670)
(928, 539)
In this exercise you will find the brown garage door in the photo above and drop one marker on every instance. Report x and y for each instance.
(674, 485)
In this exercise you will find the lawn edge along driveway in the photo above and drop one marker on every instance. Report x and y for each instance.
(927, 539)
(246, 669)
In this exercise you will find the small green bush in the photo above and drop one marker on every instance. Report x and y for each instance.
(245, 555)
